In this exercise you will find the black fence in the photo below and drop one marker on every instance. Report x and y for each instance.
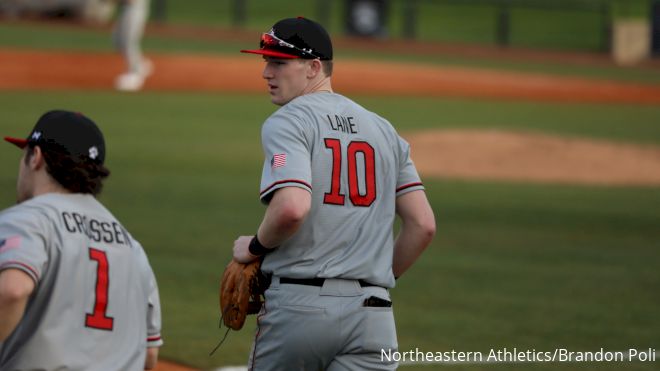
(655, 28)
(374, 22)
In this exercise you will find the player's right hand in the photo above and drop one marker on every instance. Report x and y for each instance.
(242, 250)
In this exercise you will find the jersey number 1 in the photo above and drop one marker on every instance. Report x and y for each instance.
(98, 319)
(335, 197)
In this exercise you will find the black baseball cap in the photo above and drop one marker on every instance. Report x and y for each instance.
(295, 38)
(77, 134)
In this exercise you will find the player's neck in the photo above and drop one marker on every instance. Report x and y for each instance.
(46, 184)
(322, 85)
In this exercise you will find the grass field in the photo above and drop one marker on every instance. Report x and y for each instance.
(513, 265)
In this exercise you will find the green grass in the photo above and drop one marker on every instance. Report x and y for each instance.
(513, 265)
(202, 11)
(240, 115)
(58, 37)
(631, 9)
(559, 29)
(476, 22)
(535, 267)
(439, 21)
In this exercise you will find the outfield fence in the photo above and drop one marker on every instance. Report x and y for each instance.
(514, 22)
(556, 24)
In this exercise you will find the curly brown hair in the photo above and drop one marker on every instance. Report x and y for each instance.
(77, 174)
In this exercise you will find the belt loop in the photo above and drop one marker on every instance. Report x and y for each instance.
(274, 282)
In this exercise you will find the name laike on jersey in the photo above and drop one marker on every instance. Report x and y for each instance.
(345, 124)
(98, 231)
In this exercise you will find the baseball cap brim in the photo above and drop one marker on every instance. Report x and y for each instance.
(271, 53)
(20, 143)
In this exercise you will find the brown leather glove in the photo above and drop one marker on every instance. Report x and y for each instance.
(241, 292)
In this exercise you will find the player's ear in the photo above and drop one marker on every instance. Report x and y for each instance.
(314, 69)
(36, 161)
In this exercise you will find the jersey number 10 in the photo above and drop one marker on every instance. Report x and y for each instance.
(335, 197)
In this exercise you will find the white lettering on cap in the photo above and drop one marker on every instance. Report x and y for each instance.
(93, 152)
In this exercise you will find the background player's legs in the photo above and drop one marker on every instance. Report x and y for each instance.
(128, 33)
(136, 18)
(119, 30)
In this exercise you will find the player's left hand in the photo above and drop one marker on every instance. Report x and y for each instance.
(242, 251)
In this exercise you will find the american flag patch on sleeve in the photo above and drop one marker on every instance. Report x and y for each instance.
(10, 243)
(278, 160)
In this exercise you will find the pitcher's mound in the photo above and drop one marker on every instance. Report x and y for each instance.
(501, 155)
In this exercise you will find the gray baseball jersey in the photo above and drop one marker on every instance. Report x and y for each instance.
(95, 304)
(354, 164)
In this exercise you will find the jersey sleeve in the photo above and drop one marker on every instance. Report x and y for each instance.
(154, 338)
(287, 158)
(408, 179)
(154, 321)
(23, 242)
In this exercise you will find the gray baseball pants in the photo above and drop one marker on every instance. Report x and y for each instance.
(128, 31)
(329, 328)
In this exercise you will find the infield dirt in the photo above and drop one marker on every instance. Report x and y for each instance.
(28, 69)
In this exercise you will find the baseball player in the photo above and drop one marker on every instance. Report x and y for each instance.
(127, 36)
(334, 177)
(76, 290)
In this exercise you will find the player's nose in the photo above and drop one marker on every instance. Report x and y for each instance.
(267, 73)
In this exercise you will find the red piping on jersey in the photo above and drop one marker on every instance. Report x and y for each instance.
(154, 338)
(408, 186)
(256, 338)
(285, 181)
(28, 267)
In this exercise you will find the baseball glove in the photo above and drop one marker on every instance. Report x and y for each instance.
(241, 292)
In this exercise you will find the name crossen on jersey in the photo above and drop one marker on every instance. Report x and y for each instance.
(343, 123)
(99, 231)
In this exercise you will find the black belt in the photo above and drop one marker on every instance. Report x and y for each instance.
(317, 282)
